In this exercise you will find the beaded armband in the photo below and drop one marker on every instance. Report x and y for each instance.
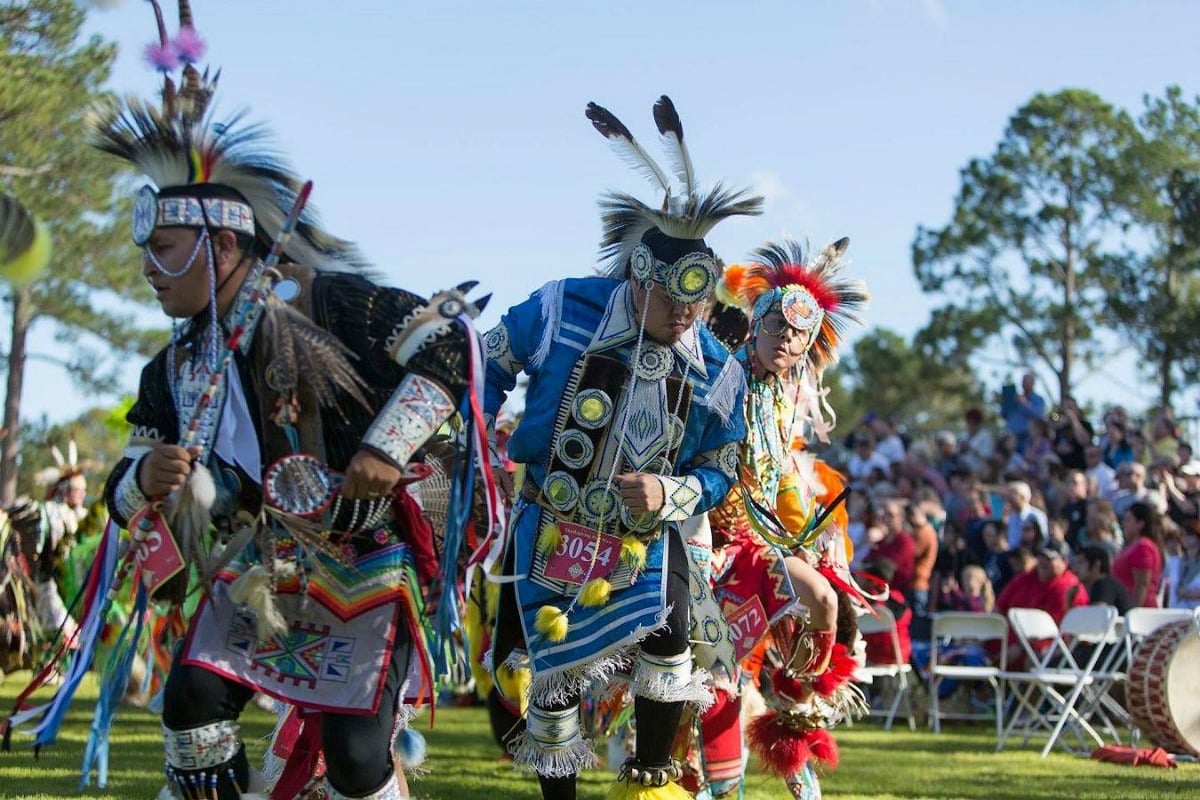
(389, 791)
(128, 498)
(415, 411)
(202, 748)
(680, 497)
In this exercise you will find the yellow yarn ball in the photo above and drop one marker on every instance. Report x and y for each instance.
(25, 246)
(551, 623)
(549, 539)
(633, 552)
(595, 592)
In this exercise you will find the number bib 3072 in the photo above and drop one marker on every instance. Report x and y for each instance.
(748, 624)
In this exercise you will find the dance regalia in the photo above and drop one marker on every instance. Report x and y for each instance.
(578, 396)
(786, 504)
(35, 544)
(360, 594)
(596, 589)
(311, 596)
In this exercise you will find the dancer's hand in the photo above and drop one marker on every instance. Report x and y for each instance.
(641, 493)
(369, 476)
(166, 468)
(504, 482)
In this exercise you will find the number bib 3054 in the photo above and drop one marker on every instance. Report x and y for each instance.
(582, 555)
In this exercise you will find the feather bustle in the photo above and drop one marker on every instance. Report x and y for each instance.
(317, 356)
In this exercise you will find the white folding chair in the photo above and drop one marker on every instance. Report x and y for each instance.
(951, 628)
(1049, 688)
(899, 671)
(1096, 627)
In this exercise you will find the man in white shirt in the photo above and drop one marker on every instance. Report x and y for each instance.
(1020, 509)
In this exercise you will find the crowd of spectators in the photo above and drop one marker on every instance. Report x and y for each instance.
(1035, 509)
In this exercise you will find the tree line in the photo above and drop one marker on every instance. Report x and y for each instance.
(1077, 237)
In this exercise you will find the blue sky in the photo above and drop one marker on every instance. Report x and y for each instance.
(449, 139)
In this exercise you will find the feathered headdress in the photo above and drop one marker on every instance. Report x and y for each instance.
(811, 296)
(68, 468)
(665, 245)
(208, 173)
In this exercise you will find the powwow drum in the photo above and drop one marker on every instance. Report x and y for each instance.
(1161, 693)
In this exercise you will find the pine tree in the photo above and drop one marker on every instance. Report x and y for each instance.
(91, 292)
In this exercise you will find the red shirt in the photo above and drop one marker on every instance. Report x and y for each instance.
(899, 550)
(879, 645)
(1028, 591)
(1142, 554)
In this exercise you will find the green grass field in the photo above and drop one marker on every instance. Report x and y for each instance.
(464, 763)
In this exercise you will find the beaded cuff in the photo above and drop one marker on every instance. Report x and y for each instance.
(128, 498)
(680, 497)
(202, 747)
(389, 791)
(416, 410)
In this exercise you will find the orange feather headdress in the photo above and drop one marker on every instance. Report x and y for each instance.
(810, 295)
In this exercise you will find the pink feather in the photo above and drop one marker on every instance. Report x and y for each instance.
(189, 47)
(161, 56)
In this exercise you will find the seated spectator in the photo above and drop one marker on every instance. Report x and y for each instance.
(971, 592)
(1032, 536)
(1102, 526)
(865, 461)
(1186, 584)
(951, 558)
(977, 592)
(1115, 443)
(1093, 566)
(1139, 565)
(1020, 509)
(896, 545)
(1075, 509)
(879, 645)
(1058, 532)
(995, 558)
(1028, 459)
(889, 443)
(1047, 586)
(1164, 434)
(947, 459)
(977, 444)
(1104, 475)
(1132, 488)
(863, 527)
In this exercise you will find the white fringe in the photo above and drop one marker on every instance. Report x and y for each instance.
(547, 691)
(561, 762)
(551, 297)
(847, 702)
(273, 765)
(666, 688)
(723, 394)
